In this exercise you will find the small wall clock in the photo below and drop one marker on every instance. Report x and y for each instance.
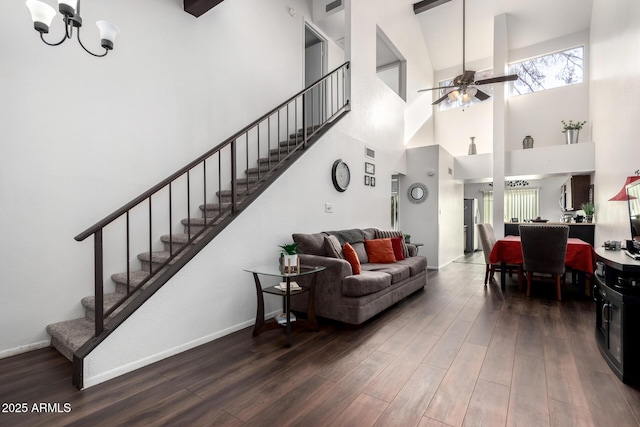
(340, 175)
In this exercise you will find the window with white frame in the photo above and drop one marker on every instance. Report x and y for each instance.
(521, 203)
(448, 104)
(549, 71)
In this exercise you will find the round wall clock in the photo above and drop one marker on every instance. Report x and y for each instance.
(340, 175)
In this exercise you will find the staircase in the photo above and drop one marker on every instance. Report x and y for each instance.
(239, 169)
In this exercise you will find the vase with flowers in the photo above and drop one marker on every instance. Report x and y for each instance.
(572, 130)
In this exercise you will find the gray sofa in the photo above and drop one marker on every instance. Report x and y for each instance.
(341, 295)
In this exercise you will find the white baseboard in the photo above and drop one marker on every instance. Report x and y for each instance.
(121, 370)
(24, 349)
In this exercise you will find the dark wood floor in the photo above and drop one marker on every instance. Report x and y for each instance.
(454, 354)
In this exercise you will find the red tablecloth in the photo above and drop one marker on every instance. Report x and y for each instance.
(580, 255)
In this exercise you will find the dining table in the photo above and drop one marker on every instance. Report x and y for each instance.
(580, 256)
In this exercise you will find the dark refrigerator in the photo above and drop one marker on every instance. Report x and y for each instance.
(471, 216)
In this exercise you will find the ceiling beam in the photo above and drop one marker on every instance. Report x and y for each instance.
(200, 7)
(427, 4)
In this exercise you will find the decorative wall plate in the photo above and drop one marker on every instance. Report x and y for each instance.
(417, 193)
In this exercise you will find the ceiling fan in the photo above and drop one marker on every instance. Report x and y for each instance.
(464, 85)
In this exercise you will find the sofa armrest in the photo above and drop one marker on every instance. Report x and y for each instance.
(336, 267)
(413, 249)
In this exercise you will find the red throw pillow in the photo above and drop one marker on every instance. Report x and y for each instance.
(380, 251)
(351, 256)
(398, 252)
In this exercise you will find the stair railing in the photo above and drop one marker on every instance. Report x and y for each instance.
(299, 119)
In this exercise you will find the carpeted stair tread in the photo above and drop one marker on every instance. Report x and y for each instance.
(135, 276)
(110, 299)
(70, 335)
(180, 238)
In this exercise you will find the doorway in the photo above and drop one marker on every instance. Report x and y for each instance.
(314, 68)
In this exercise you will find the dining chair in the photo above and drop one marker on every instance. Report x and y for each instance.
(488, 240)
(544, 248)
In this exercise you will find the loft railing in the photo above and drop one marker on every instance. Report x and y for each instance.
(298, 119)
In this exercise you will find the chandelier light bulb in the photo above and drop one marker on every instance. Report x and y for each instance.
(41, 14)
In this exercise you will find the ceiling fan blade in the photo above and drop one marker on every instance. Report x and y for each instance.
(442, 98)
(481, 95)
(499, 79)
(438, 88)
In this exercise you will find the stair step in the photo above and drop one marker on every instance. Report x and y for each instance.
(254, 171)
(177, 240)
(70, 335)
(109, 300)
(157, 258)
(213, 209)
(198, 224)
(136, 277)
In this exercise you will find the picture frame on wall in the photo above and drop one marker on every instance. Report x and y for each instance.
(367, 180)
(369, 168)
(373, 182)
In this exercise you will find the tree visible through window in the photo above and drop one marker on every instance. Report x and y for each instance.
(548, 71)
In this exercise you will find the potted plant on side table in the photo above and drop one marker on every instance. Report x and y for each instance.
(289, 260)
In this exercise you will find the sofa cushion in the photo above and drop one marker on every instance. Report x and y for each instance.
(364, 284)
(398, 271)
(311, 244)
(416, 264)
(385, 234)
(396, 243)
(332, 247)
(361, 250)
(380, 251)
(352, 257)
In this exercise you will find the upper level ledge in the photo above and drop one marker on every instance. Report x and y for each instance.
(530, 163)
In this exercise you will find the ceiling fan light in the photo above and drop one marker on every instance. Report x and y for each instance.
(465, 97)
(472, 91)
(108, 33)
(453, 95)
(42, 14)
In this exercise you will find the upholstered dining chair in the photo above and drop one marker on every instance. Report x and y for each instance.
(488, 240)
(544, 248)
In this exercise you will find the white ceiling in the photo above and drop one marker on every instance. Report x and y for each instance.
(528, 22)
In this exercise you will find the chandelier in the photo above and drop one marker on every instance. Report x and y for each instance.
(42, 14)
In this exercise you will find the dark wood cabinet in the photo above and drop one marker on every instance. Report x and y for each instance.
(575, 192)
(618, 313)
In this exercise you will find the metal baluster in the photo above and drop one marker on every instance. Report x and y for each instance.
(98, 282)
(128, 257)
(150, 237)
(233, 177)
(188, 204)
(170, 222)
(204, 191)
(219, 181)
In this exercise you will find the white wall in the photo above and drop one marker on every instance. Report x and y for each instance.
(438, 221)
(615, 31)
(82, 136)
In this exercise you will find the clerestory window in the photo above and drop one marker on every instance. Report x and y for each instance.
(550, 71)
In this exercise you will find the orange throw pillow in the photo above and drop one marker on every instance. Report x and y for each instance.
(351, 256)
(396, 242)
(380, 251)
